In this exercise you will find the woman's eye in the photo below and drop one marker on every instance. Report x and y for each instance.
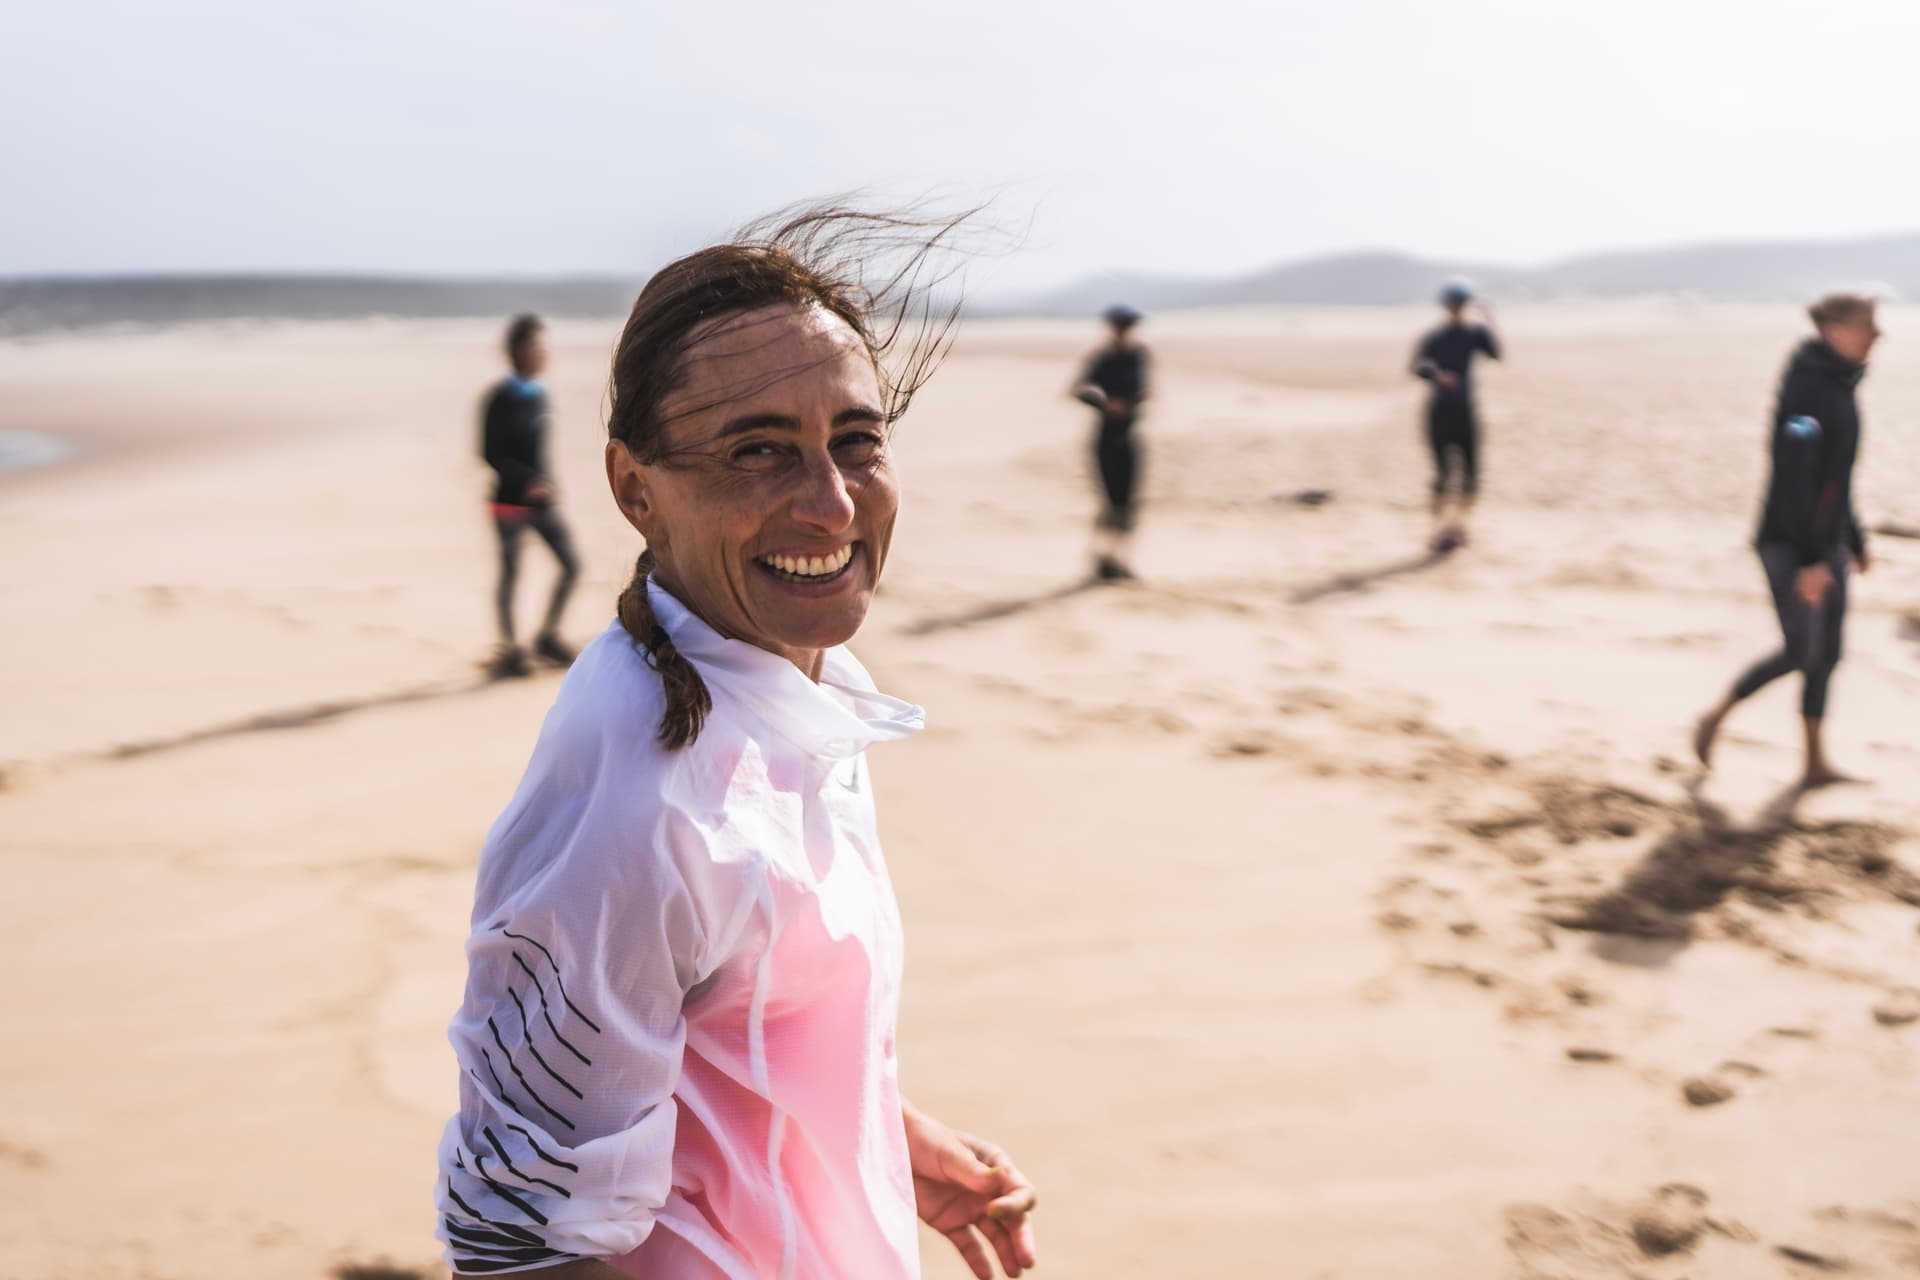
(859, 445)
(758, 449)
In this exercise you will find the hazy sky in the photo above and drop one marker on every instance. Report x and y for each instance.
(473, 136)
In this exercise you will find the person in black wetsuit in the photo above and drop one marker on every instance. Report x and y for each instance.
(513, 439)
(1115, 383)
(1809, 537)
(1445, 359)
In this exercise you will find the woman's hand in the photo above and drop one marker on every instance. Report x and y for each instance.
(1812, 584)
(965, 1188)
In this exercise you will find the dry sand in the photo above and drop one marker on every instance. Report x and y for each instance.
(1307, 910)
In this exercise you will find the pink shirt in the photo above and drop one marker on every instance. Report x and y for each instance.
(677, 1042)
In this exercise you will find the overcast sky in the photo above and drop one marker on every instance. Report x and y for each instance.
(476, 136)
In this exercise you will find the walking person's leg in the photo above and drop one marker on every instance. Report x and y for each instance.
(1796, 629)
(553, 531)
(1826, 633)
(508, 528)
(1114, 453)
(1469, 442)
(1437, 445)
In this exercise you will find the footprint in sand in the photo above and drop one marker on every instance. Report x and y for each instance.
(1595, 1238)
(1899, 1008)
(1856, 1242)
(23, 1157)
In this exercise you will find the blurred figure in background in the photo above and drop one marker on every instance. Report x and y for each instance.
(1115, 383)
(513, 439)
(1445, 360)
(1808, 535)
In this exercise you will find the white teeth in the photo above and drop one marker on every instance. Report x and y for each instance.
(811, 566)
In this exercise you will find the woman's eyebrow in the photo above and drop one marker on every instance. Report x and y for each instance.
(787, 422)
(759, 422)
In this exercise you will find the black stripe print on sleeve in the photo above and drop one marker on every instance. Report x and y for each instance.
(479, 1266)
(558, 981)
(520, 1075)
(508, 1229)
(464, 1255)
(505, 1193)
(526, 1033)
(555, 1161)
(493, 1241)
(546, 1010)
(507, 1160)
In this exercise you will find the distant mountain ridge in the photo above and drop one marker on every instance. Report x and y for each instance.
(41, 303)
(1759, 271)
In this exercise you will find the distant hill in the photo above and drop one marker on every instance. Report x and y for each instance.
(1783, 270)
(1751, 272)
(41, 303)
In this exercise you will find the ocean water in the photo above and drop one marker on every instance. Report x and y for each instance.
(20, 450)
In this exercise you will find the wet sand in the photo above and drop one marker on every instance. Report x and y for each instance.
(1311, 908)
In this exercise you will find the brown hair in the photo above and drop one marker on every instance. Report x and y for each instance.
(1841, 308)
(523, 327)
(878, 272)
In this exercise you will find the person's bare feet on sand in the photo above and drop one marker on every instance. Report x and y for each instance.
(1826, 775)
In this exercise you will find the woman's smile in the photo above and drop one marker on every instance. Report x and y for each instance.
(816, 569)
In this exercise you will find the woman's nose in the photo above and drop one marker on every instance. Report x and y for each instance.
(823, 501)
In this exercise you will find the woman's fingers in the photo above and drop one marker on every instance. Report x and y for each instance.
(1001, 1236)
(1023, 1243)
(972, 1250)
(1016, 1203)
(1014, 1196)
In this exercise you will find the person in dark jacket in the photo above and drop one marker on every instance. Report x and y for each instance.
(1445, 360)
(1115, 383)
(1809, 536)
(513, 439)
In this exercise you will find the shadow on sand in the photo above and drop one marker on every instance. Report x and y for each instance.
(1650, 916)
(299, 717)
(1647, 918)
(1361, 579)
(995, 610)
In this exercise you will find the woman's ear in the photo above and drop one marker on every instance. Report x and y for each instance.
(631, 483)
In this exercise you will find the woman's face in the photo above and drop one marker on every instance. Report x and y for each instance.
(771, 511)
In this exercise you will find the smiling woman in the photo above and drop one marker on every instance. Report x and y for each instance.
(678, 1033)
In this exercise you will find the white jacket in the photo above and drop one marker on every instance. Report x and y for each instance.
(677, 1042)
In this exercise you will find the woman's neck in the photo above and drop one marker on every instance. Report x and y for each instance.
(809, 661)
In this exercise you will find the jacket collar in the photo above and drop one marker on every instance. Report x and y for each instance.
(838, 717)
(1816, 352)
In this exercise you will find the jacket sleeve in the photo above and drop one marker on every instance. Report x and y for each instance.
(497, 446)
(1808, 495)
(1423, 365)
(570, 1041)
(1488, 343)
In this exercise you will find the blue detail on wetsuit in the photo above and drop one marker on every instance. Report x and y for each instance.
(1803, 427)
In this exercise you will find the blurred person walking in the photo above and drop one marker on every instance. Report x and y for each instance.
(1444, 359)
(1115, 383)
(513, 440)
(677, 1040)
(1809, 538)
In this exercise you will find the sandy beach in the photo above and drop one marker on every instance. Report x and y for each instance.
(1311, 908)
